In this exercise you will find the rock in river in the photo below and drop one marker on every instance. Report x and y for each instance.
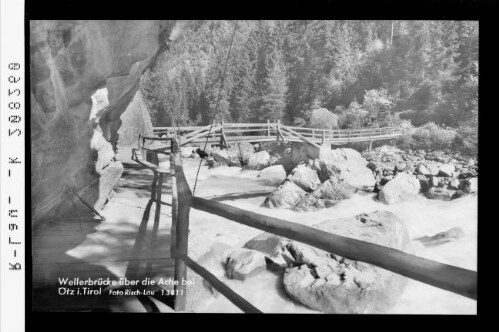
(274, 174)
(286, 196)
(333, 284)
(243, 263)
(442, 237)
(259, 160)
(305, 177)
(402, 188)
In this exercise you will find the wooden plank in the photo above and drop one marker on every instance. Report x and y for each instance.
(156, 138)
(233, 131)
(195, 132)
(448, 277)
(138, 158)
(201, 134)
(301, 136)
(226, 291)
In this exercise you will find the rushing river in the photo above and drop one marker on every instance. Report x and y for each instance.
(422, 217)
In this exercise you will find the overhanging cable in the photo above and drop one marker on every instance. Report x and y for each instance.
(216, 105)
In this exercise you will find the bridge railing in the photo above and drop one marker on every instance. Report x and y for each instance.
(261, 131)
(448, 277)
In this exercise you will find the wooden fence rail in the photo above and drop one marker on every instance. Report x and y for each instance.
(448, 277)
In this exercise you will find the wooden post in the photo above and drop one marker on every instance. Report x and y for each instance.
(138, 144)
(184, 206)
(348, 135)
(222, 134)
(313, 134)
(268, 128)
(173, 232)
(370, 140)
(323, 137)
(278, 124)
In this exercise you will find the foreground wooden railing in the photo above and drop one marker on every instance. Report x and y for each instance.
(448, 277)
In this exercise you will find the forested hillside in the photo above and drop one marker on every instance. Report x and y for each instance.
(366, 73)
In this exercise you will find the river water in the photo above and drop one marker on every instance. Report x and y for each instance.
(265, 291)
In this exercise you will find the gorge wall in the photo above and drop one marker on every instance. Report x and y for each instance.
(73, 145)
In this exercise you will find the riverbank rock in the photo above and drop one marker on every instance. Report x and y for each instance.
(360, 178)
(469, 186)
(258, 160)
(273, 174)
(246, 150)
(447, 170)
(442, 194)
(349, 163)
(243, 263)
(402, 188)
(228, 157)
(333, 284)
(286, 196)
(441, 169)
(442, 237)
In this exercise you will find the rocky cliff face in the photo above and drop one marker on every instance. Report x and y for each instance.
(72, 146)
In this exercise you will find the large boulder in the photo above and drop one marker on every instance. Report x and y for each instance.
(246, 150)
(258, 160)
(469, 186)
(433, 169)
(305, 177)
(326, 195)
(286, 196)
(228, 157)
(334, 160)
(360, 178)
(403, 187)
(274, 174)
(447, 170)
(243, 263)
(333, 284)
(350, 164)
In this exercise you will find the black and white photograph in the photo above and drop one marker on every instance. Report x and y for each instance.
(253, 166)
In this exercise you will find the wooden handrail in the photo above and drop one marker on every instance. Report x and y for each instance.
(448, 277)
(184, 196)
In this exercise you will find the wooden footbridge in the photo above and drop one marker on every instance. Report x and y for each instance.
(225, 133)
(448, 277)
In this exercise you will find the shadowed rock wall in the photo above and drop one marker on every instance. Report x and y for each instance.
(69, 61)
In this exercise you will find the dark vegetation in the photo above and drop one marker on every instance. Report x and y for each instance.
(418, 75)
